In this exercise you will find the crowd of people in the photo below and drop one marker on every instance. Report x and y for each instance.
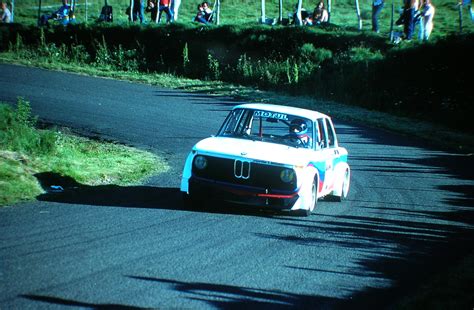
(415, 13)
(319, 16)
(64, 15)
(204, 13)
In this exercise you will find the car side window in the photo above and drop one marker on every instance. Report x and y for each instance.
(331, 136)
(321, 134)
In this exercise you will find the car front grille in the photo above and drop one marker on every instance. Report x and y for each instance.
(244, 172)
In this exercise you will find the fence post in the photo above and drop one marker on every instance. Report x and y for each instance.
(329, 10)
(39, 13)
(391, 22)
(358, 14)
(280, 11)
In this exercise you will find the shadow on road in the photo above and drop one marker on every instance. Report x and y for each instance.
(74, 303)
(140, 196)
(223, 296)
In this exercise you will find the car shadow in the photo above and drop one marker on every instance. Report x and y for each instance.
(65, 189)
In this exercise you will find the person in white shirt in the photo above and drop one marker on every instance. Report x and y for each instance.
(427, 13)
(6, 14)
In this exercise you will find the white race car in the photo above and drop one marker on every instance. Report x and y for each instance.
(269, 156)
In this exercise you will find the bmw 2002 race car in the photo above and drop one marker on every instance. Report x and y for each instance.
(269, 156)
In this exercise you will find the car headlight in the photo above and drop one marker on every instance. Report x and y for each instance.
(287, 175)
(200, 162)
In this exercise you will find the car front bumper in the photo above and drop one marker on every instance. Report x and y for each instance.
(246, 195)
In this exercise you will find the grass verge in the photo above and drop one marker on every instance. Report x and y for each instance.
(26, 151)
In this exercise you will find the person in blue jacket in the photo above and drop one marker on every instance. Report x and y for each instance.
(62, 15)
(377, 6)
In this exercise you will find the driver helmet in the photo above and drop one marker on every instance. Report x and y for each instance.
(298, 127)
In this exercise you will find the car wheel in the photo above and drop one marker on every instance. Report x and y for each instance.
(344, 187)
(312, 201)
(314, 196)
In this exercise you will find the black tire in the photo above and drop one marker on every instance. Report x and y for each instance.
(191, 201)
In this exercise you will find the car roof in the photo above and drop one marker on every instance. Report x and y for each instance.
(282, 109)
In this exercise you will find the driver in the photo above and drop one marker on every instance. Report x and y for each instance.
(299, 132)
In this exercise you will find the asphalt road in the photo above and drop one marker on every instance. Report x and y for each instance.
(408, 216)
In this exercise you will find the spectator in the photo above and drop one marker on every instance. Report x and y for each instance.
(106, 14)
(62, 15)
(165, 6)
(200, 15)
(207, 11)
(305, 18)
(6, 14)
(320, 14)
(411, 8)
(468, 4)
(137, 12)
(427, 15)
(152, 8)
(377, 6)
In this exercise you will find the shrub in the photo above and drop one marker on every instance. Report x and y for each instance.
(18, 133)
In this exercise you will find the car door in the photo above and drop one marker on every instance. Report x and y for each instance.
(329, 154)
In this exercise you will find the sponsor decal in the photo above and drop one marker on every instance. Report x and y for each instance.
(267, 114)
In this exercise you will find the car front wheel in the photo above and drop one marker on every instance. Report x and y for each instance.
(310, 201)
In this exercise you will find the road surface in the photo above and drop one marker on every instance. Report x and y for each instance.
(408, 216)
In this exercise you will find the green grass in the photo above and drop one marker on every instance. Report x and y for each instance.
(26, 151)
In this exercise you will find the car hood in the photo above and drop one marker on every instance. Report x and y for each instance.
(254, 150)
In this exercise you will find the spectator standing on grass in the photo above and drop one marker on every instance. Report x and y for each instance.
(468, 4)
(152, 8)
(320, 14)
(6, 14)
(427, 15)
(377, 6)
(138, 11)
(165, 6)
(411, 8)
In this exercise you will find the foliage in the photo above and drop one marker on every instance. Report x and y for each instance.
(18, 133)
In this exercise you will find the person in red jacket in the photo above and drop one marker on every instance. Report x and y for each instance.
(165, 6)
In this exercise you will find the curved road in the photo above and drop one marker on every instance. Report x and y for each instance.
(409, 215)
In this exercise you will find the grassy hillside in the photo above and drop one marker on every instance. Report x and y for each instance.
(249, 11)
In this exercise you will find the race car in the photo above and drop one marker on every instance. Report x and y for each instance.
(268, 156)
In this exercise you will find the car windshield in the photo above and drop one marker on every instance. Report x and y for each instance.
(268, 126)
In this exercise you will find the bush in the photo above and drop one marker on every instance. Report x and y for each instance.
(18, 132)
